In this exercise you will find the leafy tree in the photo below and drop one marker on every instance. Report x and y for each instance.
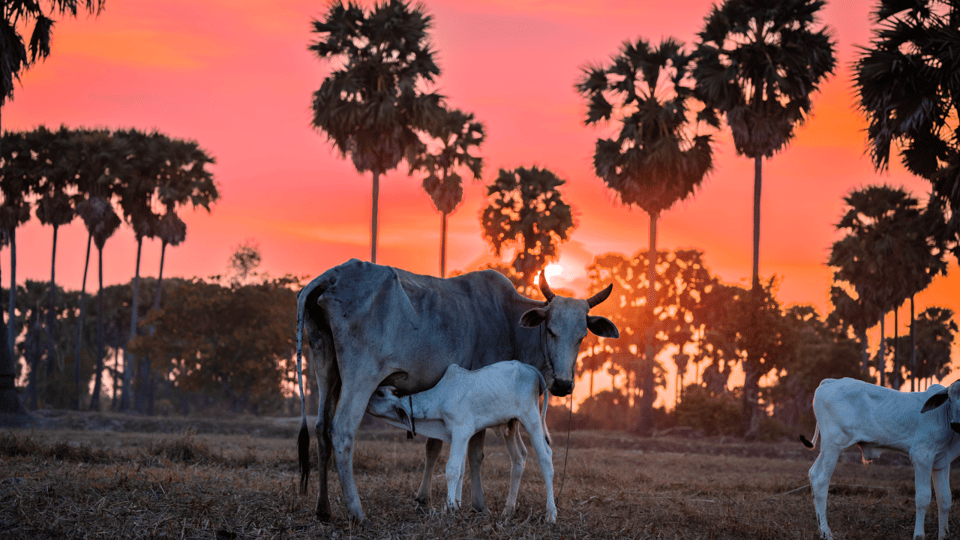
(230, 342)
(656, 160)
(935, 329)
(758, 62)
(373, 106)
(453, 139)
(907, 86)
(527, 212)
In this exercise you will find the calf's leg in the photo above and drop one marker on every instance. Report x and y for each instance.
(941, 484)
(534, 426)
(923, 474)
(518, 457)
(455, 464)
(475, 455)
(433, 453)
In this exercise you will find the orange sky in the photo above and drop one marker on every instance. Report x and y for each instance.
(237, 77)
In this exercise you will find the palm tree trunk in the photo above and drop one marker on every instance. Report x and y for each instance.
(98, 375)
(757, 182)
(83, 305)
(895, 378)
(645, 424)
(443, 246)
(51, 313)
(913, 349)
(11, 329)
(128, 359)
(881, 353)
(374, 217)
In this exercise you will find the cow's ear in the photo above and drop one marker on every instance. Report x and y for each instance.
(403, 416)
(602, 326)
(935, 401)
(533, 318)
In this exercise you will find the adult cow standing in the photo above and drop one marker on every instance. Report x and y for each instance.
(369, 325)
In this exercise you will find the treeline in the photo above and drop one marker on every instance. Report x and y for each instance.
(105, 178)
(703, 327)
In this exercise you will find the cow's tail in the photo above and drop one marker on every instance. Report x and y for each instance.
(546, 401)
(303, 439)
(816, 434)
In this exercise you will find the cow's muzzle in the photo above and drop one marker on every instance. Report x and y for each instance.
(955, 426)
(561, 388)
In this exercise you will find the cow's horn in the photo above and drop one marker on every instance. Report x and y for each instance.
(600, 296)
(544, 287)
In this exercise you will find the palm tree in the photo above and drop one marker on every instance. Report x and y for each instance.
(454, 137)
(935, 331)
(372, 107)
(656, 159)
(888, 253)
(908, 88)
(527, 211)
(758, 62)
(15, 57)
(55, 206)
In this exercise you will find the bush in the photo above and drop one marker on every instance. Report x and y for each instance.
(714, 414)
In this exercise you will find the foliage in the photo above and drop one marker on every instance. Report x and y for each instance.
(935, 330)
(758, 62)
(527, 211)
(714, 414)
(907, 86)
(233, 343)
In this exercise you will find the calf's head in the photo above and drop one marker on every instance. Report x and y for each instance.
(565, 322)
(951, 398)
(385, 403)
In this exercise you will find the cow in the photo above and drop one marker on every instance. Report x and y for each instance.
(369, 325)
(916, 424)
(465, 402)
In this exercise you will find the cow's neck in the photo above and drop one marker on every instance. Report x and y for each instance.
(529, 344)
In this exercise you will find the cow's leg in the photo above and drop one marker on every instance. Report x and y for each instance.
(434, 446)
(534, 426)
(518, 457)
(941, 484)
(475, 455)
(820, 474)
(923, 474)
(345, 423)
(328, 392)
(455, 464)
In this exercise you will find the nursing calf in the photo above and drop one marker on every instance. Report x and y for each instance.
(921, 425)
(466, 402)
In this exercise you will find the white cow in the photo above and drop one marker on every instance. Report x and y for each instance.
(466, 402)
(880, 419)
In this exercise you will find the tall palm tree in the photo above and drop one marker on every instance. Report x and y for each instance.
(888, 253)
(656, 159)
(453, 139)
(758, 62)
(908, 88)
(527, 211)
(372, 107)
(55, 206)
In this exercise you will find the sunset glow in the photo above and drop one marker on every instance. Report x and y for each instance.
(237, 77)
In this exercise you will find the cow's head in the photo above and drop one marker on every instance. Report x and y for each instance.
(951, 397)
(565, 322)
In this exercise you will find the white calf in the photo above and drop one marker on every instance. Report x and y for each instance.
(852, 412)
(466, 402)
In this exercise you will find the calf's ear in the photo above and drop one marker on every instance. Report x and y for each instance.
(602, 326)
(935, 401)
(533, 318)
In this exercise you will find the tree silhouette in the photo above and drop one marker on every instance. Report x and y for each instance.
(935, 331)
(527, 212)
(372, 107)
(454, 137)
(15, 57)
(908, 88)
(758, 62)
(656, 160)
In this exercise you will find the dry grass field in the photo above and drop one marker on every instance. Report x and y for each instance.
(78, 475)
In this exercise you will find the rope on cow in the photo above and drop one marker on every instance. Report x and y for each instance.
(566, 452)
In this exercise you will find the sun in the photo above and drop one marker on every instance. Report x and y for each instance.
(552, 270)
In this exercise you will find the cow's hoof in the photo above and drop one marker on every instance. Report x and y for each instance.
(323, 515)
(481, 510)
(508, 512)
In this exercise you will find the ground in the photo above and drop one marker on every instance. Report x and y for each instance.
(84, 475)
